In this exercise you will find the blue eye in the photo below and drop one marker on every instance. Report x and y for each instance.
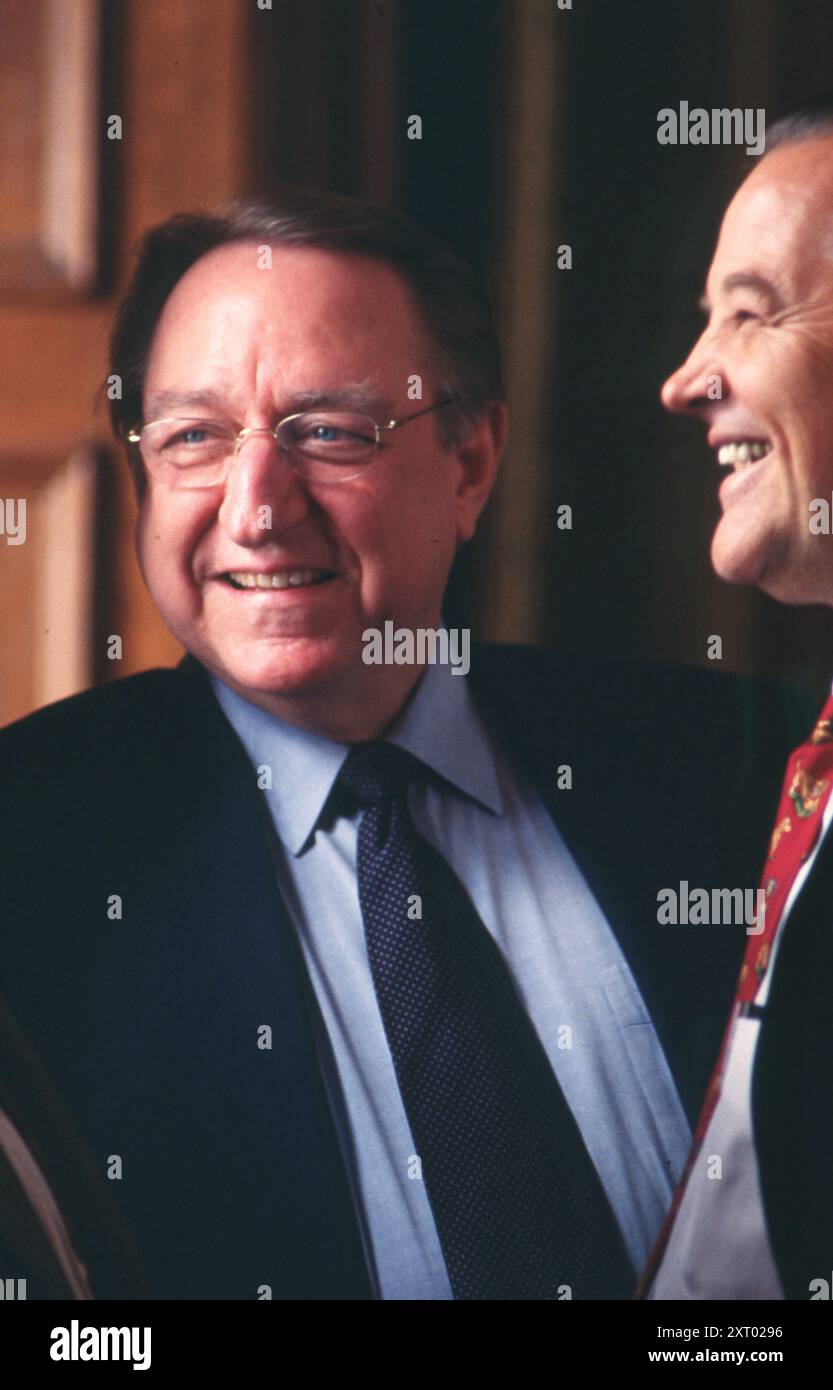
(194, 435)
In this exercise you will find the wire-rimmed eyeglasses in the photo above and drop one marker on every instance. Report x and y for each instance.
(329, 446)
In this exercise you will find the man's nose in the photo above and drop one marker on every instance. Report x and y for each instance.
(263, 495)
(696, 382)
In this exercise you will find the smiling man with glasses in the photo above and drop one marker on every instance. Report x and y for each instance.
(383, 1009)
(292, 496)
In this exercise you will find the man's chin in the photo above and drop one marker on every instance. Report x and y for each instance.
(738, 559)
(295, 668)
(761, 564)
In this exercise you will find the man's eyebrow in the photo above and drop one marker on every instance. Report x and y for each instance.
(351, 396)
(162, 403)
(745, 280)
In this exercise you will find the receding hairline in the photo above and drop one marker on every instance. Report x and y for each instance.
(782, 158)
(421, 341)
(801, 128)
(289, 249)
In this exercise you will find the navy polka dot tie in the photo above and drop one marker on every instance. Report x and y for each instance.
(518, 1205)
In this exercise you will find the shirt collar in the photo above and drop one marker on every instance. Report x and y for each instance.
(440, 725)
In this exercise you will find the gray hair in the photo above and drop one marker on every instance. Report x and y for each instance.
(810, 123)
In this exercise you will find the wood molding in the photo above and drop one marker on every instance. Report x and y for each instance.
(48, 581)
(49, 142)
(520, 525)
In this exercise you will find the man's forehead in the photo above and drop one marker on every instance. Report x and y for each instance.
(299, 317)
(329, 297)
(780, 222)
(298, 275)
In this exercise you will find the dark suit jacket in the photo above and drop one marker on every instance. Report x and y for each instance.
(791, 1111)
(232, 1176)
(97, 1232)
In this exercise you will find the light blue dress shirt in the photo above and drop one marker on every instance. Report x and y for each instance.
(567, 966)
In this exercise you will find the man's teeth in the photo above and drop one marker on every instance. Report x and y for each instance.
(284, 579)
(749, 451)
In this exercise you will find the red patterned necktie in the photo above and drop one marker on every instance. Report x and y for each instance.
(798, 822)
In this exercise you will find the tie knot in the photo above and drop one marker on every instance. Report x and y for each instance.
(378, 771)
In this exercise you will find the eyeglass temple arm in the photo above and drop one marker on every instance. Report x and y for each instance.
(406, 419)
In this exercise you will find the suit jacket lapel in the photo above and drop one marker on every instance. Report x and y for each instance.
(245, 928)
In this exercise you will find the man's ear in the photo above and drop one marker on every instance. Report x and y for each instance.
(478, 459)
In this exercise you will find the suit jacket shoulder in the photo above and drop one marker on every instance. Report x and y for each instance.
(145, 946)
